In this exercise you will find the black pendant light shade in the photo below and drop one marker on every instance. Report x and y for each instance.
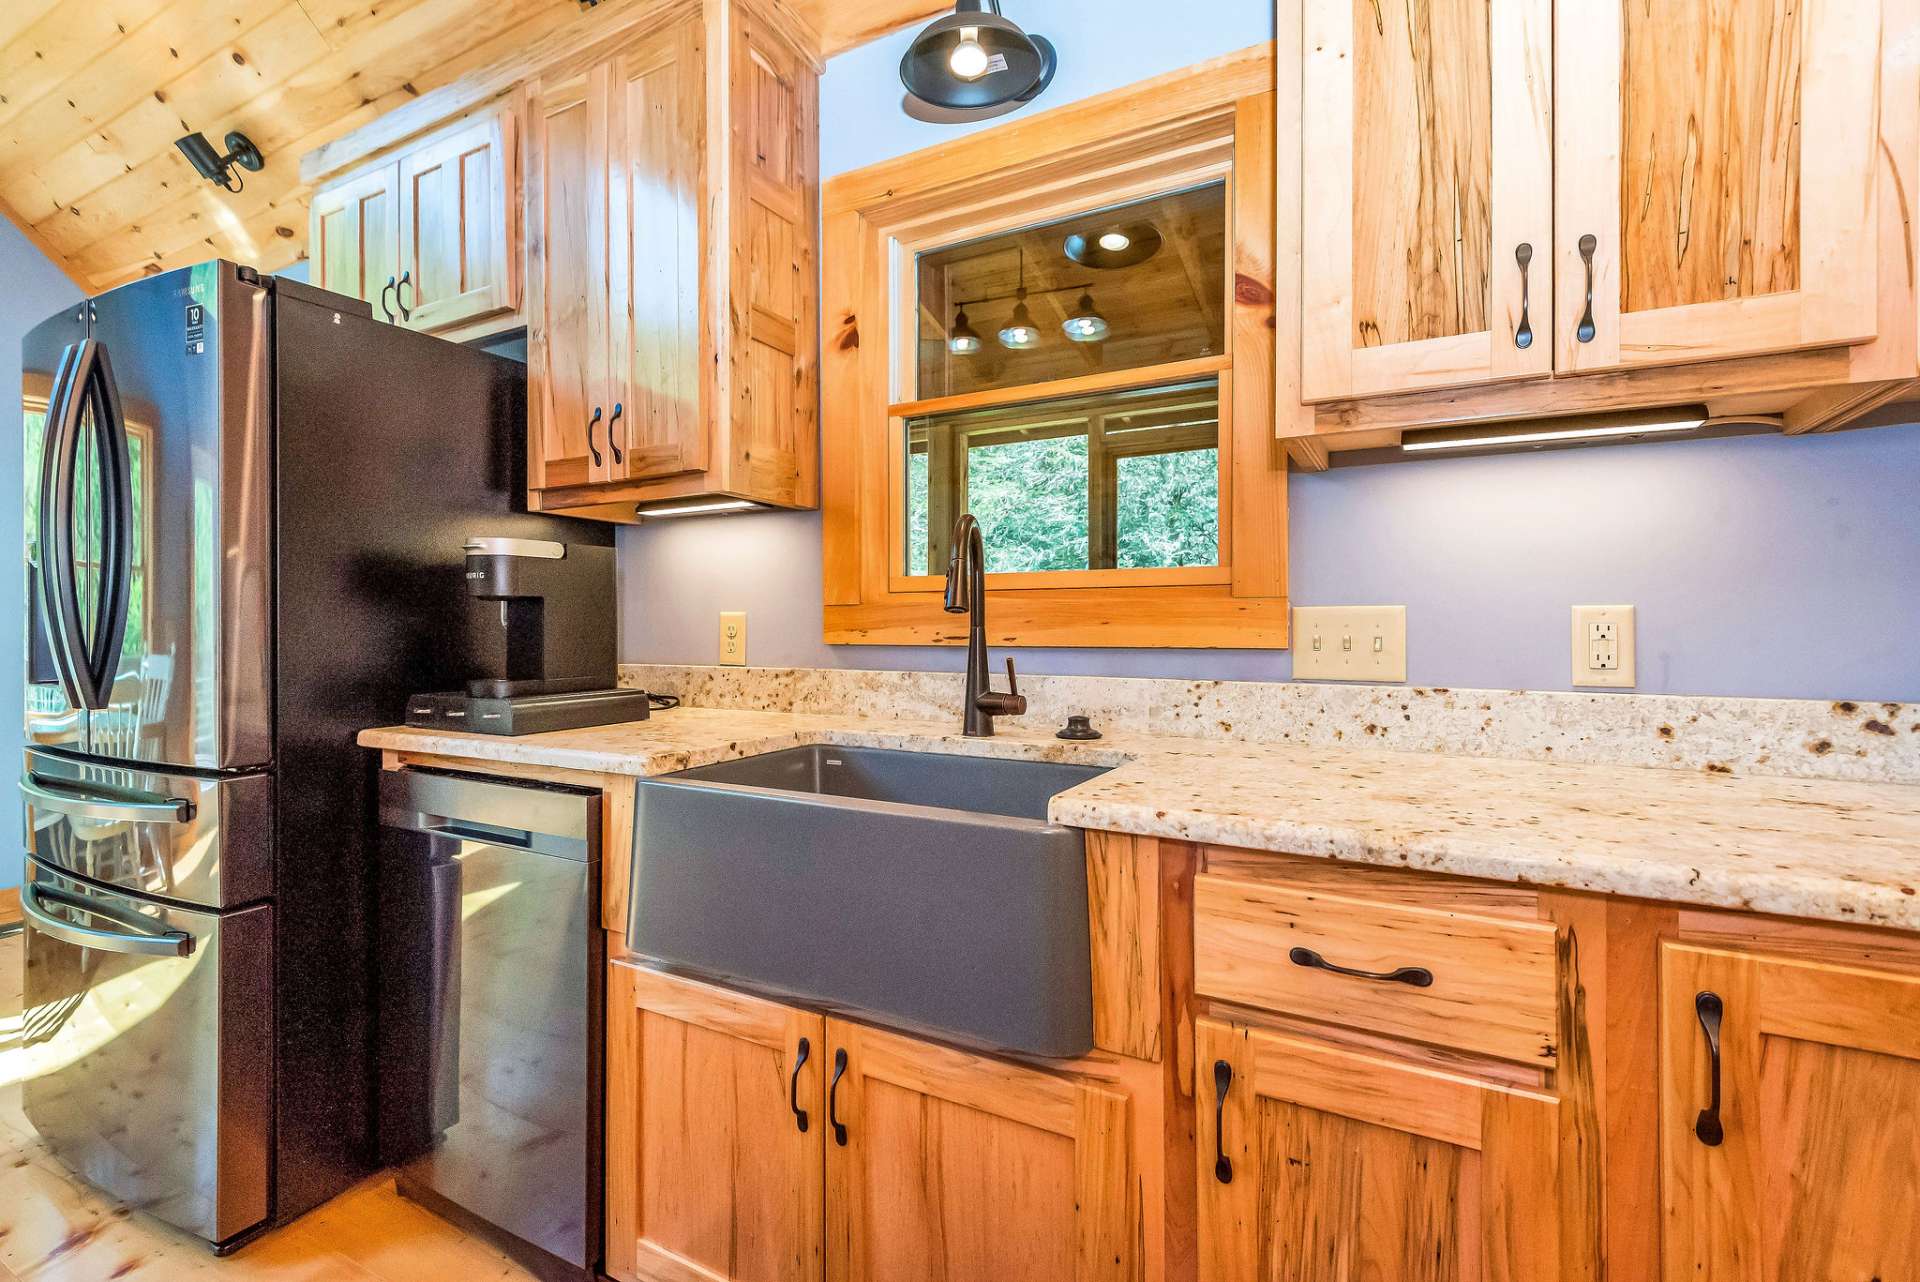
(973, 59)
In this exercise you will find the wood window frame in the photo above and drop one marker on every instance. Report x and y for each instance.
(1210, 122)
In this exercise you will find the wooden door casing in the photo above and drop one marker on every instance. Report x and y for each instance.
(1427, 163)
(657, 173)
(1347, 1165)
(709, 1176)
(1817, 1174)
(355, 237)
(567, 279)
(458, 198)
(957, 1167)
(1725, 160)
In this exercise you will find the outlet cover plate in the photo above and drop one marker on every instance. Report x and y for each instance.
(1350, 643)
(733, 639)
(1591, 640)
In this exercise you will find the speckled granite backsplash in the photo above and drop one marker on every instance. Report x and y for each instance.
(1798, 738)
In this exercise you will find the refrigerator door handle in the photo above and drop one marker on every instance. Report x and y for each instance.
(44, 796)
(116, 464)
(138, 938)
(88, 670)
(59, 594)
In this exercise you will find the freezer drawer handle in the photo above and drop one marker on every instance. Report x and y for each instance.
(168, 810)
(139, 940)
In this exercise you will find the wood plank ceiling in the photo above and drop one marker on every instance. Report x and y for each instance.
(94, 93)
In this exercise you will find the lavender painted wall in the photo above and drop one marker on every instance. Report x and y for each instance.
(1760, 566)
(35, 289)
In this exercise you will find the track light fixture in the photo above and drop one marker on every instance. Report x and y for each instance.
(216, 168)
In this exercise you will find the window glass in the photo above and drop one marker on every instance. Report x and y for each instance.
(1118, 480)
(1119, 288)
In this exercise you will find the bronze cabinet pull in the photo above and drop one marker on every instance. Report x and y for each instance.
(591, 447)
(1412, 976)
(833, 1098)
(1523, 336)
(793, 1086)
(1222, 1080)
(613, 442)
(1588, 243)
(388, 288)
(1709, 1008)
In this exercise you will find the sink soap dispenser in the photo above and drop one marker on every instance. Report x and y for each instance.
(1078, 726)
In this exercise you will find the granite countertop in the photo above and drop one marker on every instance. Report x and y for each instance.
(1821, 849)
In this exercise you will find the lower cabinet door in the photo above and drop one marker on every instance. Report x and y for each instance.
(1789, 1119)
(944, 1166)
(1323, 1165)
(714, 1132)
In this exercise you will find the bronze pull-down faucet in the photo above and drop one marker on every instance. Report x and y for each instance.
(967, 594)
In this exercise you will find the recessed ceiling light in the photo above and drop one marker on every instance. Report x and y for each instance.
(1113, 246)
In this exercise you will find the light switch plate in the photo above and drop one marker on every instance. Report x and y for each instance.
(733, 638)
(1603, 653)
(1350, 643)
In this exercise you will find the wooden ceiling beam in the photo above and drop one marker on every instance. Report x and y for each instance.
(843, 24)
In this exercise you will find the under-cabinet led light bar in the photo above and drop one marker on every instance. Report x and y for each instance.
(1600, 429)
(697, 509)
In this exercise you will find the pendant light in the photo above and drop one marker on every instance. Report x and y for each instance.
(962, 339)
(1087, 325)
(975, 60)
(1021, 334)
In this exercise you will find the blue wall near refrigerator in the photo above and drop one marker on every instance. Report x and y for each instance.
(34, 289)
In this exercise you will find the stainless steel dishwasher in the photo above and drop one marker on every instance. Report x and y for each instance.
(490, 1032)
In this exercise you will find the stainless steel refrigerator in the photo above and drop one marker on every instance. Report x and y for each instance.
(246, 503)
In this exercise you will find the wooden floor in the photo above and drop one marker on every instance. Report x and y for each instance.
(55, 1229)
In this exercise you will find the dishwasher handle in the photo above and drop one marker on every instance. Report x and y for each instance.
(540, 819)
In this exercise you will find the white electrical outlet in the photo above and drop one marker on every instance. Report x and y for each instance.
(733, 638)
(1350, 643)
(1603, 646)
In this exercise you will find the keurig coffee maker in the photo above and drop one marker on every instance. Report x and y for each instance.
(556, 614)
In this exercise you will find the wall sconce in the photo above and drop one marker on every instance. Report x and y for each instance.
(218, 169)
(974, 64)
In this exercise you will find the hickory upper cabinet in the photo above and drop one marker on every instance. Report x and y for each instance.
(672, 347)
(1427, 194)
(1498, 190)
(1716, 179)
(428, 232)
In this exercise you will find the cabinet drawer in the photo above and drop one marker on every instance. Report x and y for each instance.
(1480, 984)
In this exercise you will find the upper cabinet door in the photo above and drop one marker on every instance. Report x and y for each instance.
(1716, 178)
(568, 406)
(457, 201)
(657, 149)
(1789, 1119)
(355, 238)
(1426, 194)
